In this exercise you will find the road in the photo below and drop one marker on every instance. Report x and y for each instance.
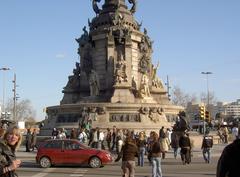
(170, 167)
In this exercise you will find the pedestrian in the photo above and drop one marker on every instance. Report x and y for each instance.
(141, 143)
(185, 145)
(175, 143)
(114, 137)
(101, 140)
(128, 153)
(207, 144)
(165, 144)
(169, 134)
(73, 134)
(34, 139)
(28, 140)
(109, 138)
(228, 163)
(119, 140)
(225, 134)
(61, 134)
(54, 133)
(8, 145)
(82, 137)
(155, 153)
(235, 132)
(95, 138)
(161, 133)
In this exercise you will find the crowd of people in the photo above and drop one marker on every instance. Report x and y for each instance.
(127, 145)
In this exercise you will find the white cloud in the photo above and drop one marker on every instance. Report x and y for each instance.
(60, 56)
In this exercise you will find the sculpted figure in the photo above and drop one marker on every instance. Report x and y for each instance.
(94, 83)
(144, 87)
(95, 6)
(84, 37)
(120, 72)
(147, 39)
(133, 9)
(156, 82)
(74, 80)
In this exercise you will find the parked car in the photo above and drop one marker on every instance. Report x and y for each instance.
(67, 151)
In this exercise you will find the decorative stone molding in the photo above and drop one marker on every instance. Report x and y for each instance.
(144, 110)
(101, 110)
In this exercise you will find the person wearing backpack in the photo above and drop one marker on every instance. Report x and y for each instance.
(207, 144)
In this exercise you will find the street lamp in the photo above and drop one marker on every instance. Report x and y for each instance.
(4, 69)
(206, 73)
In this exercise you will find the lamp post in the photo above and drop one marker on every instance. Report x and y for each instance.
(3, 104)
(207, 106)
(15, 97)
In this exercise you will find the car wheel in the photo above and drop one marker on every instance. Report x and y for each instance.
(45, 162)
(95, 162)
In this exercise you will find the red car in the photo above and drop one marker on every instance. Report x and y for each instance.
(58, 152)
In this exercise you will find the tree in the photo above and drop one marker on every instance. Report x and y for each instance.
(24, 110)
(212, 98)
(180, 98)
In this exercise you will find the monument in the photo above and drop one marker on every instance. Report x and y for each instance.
(115, 82)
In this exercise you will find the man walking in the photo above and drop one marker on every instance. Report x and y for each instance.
(185, 144)
(207, 144)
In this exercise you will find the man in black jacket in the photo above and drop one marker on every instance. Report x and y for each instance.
(228, 163)
(185, 144)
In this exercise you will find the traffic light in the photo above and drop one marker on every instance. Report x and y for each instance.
(202, 112)
(207, 116)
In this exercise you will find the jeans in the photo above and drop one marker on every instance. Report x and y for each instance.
(206, 154)
(175, 152)
(141, 156)
(156, 167)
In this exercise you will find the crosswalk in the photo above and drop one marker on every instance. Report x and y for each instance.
(48, 172)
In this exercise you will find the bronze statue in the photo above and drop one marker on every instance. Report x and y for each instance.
(133, 9)
(95, 6)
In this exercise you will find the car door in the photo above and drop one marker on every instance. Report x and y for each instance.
(53, 149)
(72, 152)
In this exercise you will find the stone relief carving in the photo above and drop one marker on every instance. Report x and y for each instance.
(94, 83)
(144, 110)
(160, 111)
(124, 117)
(154, 110)
(144, 87)
(101, 110)
(93, 110)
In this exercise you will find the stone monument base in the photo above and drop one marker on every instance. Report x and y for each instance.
(138, 117)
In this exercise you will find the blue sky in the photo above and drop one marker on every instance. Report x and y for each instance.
(37, 40)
